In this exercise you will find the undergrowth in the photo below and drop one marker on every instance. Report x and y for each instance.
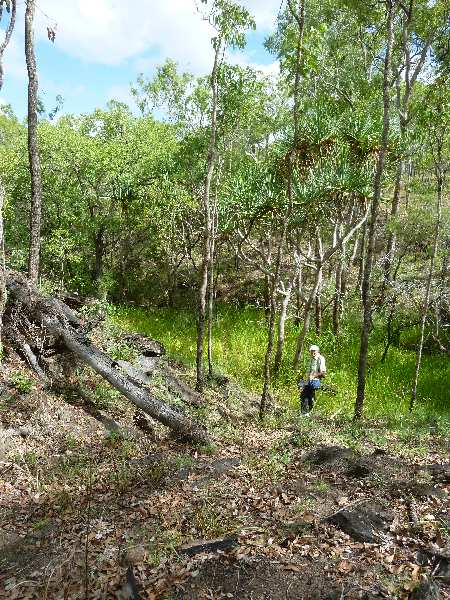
(239, 346)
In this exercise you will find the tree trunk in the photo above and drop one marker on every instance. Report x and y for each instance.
(362, 259)
(99, 248)
(58, 321)
(426, 300)
(392, 238)
(281, 327)
(211, 286)
(266, 295)
(318, 315)
(337, 300)
(33, 148)
(367, 273)
(269, 349)
(2, 265)
(300, 19)
(203, 288)
(307, 317)
(7, 37)
(3, 46)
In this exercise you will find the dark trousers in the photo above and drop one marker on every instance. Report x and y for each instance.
(307, 398)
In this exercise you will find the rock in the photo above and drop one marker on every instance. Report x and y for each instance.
(438, 562)
(24, 431)
(359, 470)
(223, 465)
(146, 364)
(439, 473)
(379, 452)
(145, 345)
(423, 490)
(426, 591)
(327, 454)
(441, 567)
(198, 547)
(363, 523)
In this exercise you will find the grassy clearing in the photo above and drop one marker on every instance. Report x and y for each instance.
(239, 346)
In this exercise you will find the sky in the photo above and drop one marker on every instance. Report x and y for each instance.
(101, 47)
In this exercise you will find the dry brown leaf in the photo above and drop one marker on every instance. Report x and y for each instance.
(345, 566)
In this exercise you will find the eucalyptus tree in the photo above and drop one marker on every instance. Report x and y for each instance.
(11, 7)
(436, 119)
(33, 147)
(366, 292)
(420, 24)
(230, 21)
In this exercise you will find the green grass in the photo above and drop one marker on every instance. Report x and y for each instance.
(239, 346)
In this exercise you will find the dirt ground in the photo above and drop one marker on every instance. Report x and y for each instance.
(91, 507)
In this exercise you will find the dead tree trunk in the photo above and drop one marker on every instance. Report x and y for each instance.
(33, 149)
(58, 321)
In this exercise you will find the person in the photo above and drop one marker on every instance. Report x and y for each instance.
(315, 372)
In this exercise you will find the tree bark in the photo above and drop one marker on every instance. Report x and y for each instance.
(33, 146)
(7, 37)
(58, 321)
(99, 248)
(307, 317)
(337, 300)
(2, 265)
(282, 325)
(367, 273)
(426, 301)
(211, 287)
(206, 258)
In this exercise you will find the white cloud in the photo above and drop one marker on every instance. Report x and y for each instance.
(122, 93)
(242, 60)
(112, 31)
(264, 12)
(137, 35)
(14, 60)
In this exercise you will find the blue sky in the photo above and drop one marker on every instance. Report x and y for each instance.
(102, 46)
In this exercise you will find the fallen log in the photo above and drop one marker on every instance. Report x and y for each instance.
(59, 321)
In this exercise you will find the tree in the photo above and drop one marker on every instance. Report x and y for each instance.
(33, 146)
(230, 21)
(437, 122)
(11, 7)
(366, 291)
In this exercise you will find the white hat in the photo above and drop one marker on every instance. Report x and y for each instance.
(313, 347)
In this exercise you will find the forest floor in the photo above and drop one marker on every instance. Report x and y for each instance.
(91, 507)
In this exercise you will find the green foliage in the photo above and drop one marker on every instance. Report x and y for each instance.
(21, 382)
(239, 345)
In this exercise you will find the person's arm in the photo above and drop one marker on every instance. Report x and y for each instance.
(322, 368)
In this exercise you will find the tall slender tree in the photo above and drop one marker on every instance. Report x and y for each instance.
(11, 8)
(33, 146)
(366, 291)
(438, 126)
(230, 21)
